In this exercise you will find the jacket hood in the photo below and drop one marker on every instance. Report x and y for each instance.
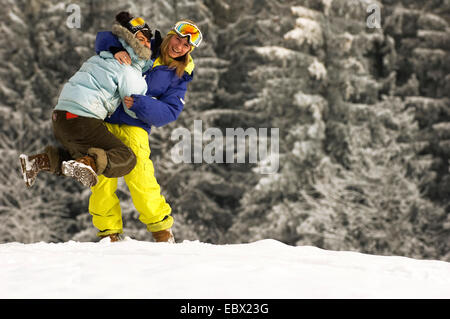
(141, 51)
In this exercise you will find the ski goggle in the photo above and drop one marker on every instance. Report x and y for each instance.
(186, 29)
(138, 24)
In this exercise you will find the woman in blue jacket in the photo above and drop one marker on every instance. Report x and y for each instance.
(132, 121)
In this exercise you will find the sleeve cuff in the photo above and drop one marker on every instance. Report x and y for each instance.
(114, 50)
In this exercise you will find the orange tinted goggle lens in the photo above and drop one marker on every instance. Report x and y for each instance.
(185, 29)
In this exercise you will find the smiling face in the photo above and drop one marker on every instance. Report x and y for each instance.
(143, 39)
(178, 46)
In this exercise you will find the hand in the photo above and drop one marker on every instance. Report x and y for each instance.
(123, 57)
(129, 101)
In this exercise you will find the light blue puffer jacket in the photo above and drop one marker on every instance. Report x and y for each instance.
(100, 85)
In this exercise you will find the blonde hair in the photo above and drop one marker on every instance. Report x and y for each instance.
(178, 64)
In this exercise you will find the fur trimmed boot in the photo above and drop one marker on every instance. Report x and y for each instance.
(82, 169)
(32, 165)
(164, 236)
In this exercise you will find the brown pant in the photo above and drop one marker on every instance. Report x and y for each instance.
(80, 135)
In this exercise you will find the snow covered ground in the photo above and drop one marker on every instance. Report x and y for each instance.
(191, 269)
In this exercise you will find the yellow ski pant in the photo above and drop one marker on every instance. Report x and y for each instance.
(145, 191)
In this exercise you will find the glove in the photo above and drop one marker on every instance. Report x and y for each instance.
(156, 44)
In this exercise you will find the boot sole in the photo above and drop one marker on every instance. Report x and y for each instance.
(82, 173)
(24, 163)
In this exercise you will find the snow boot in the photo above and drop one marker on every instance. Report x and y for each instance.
(113, 237)
(82, 169)
(164, 236)
(32, 165)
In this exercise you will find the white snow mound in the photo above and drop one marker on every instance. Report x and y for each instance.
(263, 269)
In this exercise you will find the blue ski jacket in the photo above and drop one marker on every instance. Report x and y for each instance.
(164, 99)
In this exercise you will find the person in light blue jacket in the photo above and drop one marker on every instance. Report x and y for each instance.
(91, 94)
(100, 85)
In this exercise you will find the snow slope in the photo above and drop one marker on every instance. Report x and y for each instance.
(263, 269)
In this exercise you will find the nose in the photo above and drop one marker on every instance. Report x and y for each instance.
(178, 46)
